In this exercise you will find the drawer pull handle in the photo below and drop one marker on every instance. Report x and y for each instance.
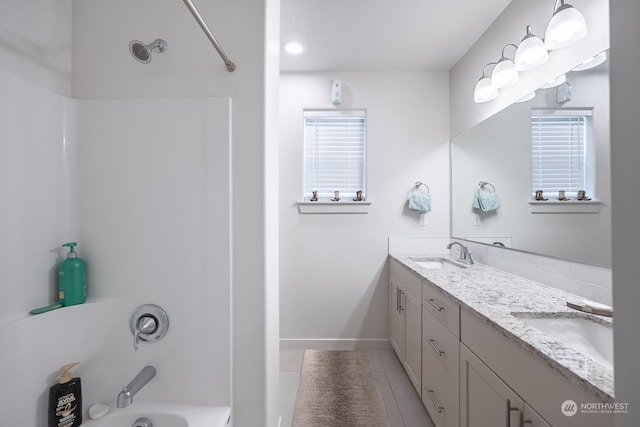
(509, 410)
(438, 407)
(431, 301)
(433, 346)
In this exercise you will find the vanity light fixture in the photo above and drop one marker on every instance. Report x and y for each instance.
(504, 73)
(566, 27)
(592, 63)
(555, 82)
(531, 52)
(485, 89)
(293, 48)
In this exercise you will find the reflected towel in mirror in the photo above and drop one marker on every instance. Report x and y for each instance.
(486, 200)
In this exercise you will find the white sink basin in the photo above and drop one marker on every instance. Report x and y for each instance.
(582, 334)
(430, 264)
(436, 264)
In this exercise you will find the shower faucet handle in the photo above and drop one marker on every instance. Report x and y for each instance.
(146, 325)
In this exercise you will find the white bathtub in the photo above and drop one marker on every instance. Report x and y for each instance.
(164, 416)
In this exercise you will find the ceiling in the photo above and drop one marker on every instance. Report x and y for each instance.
(383, 34)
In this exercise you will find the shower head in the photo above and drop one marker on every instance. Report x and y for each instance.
(142, 52)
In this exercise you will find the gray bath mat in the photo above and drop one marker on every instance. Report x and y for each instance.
(338, 389)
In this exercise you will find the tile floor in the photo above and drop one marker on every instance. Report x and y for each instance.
(403, 403)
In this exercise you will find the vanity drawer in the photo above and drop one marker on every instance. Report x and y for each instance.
(440, 371)
(442, 307)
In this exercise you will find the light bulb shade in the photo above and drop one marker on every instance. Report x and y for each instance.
(485, 90)
(531, 53)
(555, 82)
(504, 73)
(566, 27)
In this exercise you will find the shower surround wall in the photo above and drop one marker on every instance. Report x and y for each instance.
(159, 192)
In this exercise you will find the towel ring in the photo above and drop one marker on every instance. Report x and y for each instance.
(482, 184)
(419, 184)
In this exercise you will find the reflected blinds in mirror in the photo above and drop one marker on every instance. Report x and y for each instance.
(559, 149)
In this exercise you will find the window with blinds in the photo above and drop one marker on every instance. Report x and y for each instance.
(334, 153)
(559, 150)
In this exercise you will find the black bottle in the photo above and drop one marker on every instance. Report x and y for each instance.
(65, 400)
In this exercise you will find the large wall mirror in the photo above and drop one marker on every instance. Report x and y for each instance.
(498, 151)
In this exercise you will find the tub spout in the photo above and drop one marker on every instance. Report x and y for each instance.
(125, 397)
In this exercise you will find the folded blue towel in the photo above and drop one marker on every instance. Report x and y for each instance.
(420, 202)
(486, 201)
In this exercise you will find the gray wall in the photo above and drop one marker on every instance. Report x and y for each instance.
(625, 155)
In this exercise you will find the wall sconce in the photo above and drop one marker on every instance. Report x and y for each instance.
(566, 27)
(531, 52)
(505, 73)
(485, 89)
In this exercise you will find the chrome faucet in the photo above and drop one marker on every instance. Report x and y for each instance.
(125, 397)
(464, 256)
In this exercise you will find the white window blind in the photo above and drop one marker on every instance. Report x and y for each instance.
(334, 152)
(559, 149)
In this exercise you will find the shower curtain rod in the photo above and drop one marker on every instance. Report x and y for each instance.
(230, 65)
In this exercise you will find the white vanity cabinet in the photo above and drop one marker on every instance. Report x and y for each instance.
(405, 323)
(472, 372)
(488, 358)
(440, 356)
(486, 400)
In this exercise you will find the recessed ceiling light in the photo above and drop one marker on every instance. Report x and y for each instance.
(293, 48)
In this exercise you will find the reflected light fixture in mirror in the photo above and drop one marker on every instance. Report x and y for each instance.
(592, 63)
(555, 82)
(566, 27)
(531, 52)
(527, 97)
(504, 73)
(485, 89)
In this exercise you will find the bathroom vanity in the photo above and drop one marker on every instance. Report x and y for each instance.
(487, 357)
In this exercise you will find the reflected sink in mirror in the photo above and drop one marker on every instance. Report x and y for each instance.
(437, 264)
(584, 334)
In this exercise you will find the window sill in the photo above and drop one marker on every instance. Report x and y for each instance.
(322, 207)
(571, 206)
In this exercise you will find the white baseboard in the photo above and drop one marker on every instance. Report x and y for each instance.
(334, 344)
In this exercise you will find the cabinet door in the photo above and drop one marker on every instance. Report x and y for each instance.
(532, 419)
(485, 400)
(412, 339)
(396, 320)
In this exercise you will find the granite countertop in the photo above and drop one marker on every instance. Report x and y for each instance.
(494, 295)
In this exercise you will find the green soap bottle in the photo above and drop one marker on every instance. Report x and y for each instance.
(72, 278)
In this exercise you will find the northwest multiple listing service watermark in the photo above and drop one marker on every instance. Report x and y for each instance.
(570, 408)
